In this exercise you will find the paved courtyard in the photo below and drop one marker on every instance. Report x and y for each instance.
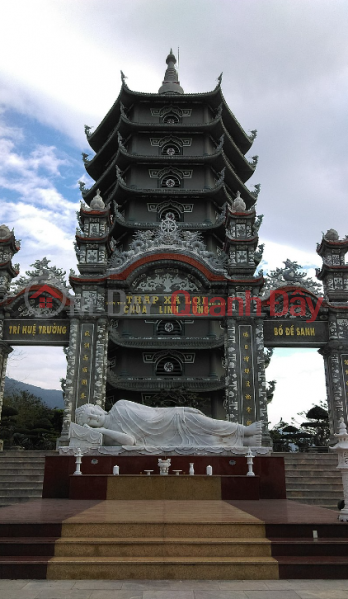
(167, 589)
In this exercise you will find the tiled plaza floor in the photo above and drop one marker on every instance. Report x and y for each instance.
(167, 589)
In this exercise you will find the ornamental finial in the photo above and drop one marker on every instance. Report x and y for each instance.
(238, 203)
(97, 202)
(171, 84)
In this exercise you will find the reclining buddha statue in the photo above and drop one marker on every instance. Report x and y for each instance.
(132, 424)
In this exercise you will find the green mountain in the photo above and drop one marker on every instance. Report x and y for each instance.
(53, 398)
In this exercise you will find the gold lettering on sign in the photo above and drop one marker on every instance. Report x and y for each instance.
(247, 372)
(292, 331)
(33, 329)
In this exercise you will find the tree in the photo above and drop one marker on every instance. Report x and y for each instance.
(287, 437)
(318, 425)
(314, 433)
(28, 422)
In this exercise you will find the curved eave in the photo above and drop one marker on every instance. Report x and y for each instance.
(170, 127)
(104, 182)
(246, 281)
(123, 158)
(220, 192)
(82, 239)
(232, 177)
(122, 192)
(234, 155)
(247, 214)
(8, 266)
(177, 158)
(157, 383)
(127, 96)
(243, 240)
(96, 165)
(327, 268)
(121, 225)
(85, 212)
(327, 243)
(242, 138)
(123, 125)
(162, 342)
(126, 271)
(11, 241)
(98, 138)
(81, 280)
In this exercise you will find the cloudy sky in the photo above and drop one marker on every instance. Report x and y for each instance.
(285, 73)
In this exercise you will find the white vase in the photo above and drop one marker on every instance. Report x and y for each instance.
(191, 470)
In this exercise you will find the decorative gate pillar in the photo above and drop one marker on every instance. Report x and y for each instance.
(246, 400)
(5, 350)
(334, 276)
(335, 356)
(86, 368)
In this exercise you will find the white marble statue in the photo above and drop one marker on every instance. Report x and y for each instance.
(133, 424)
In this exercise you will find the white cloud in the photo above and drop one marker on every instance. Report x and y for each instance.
(300, 383)
(41, 216)
(40, 366)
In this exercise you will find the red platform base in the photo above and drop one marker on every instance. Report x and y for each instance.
(269, 482)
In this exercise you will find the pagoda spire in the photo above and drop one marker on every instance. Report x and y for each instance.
(171, 84)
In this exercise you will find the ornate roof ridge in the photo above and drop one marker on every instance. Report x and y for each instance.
(162, 253)
(166, 256)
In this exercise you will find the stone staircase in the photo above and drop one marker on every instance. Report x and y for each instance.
(21, 475)
(312, 478)
(136, 540)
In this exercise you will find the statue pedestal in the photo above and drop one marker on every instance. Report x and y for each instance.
(97, 469)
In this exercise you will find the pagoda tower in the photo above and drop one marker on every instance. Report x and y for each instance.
(334, 276)
(169, 211)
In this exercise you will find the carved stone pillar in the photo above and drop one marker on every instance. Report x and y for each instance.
(246, 399)
(5, 350)
(101, 362)
(336, 372)
(335, 354)
(261, 396)
(86, 368)
(70, 382)
(231, 403)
